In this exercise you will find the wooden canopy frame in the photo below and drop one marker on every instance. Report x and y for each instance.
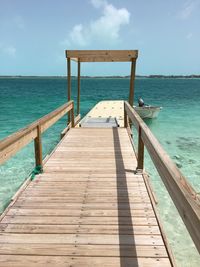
(100, 56)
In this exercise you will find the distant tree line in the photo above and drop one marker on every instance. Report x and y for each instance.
(174, 76)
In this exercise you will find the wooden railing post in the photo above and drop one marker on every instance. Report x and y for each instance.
(79, 86)
(140, 165)
(69, 83)
(125, 117)
(38, 147)
(72, 115)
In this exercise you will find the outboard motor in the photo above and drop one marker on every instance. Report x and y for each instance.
(140, 102)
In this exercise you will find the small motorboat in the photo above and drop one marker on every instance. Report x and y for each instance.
(147, 111)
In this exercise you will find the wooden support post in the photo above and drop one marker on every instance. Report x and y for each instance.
(125, 117)
(69, 83)
(72, 116)
(132, 79)
(38, 147)
(140, 165)
(79, 85)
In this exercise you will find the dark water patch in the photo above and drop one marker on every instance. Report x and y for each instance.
(181, 160)
(189, 144)
(192, 161)
(178, 160)
(177, 157)
(168, 142)
(179, 165)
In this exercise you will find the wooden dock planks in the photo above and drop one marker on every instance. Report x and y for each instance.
(88, 208)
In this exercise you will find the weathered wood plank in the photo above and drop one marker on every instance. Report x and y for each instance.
(94, 177)
(82, 229)
(86, 206)
(90, 213)
(42, 185)
(76, 199)
(62, 261)
(79, 220)
(90, 193)
(100, 239)
(84, 250)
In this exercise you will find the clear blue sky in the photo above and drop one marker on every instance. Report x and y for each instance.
(34, 35)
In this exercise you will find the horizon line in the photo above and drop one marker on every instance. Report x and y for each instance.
(105, 76)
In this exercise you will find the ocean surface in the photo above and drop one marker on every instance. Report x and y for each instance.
(23, 100)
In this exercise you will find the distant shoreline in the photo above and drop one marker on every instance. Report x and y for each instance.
(192, 76)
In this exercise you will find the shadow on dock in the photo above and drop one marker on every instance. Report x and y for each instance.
(127, 258)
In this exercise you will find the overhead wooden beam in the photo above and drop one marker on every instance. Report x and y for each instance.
(103, 59)
(102, 55)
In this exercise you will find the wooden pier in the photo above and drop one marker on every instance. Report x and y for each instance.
(91, 203)
(88, 208)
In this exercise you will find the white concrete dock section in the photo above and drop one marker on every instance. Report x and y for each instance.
(105, 113)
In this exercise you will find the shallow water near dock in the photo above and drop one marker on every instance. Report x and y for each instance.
(23, 100)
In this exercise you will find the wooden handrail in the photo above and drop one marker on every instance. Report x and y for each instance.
(13, 143)
(185, 198)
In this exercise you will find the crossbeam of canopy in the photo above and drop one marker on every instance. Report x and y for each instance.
(100, 56)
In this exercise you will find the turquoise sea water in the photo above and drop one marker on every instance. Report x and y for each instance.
(23, 100)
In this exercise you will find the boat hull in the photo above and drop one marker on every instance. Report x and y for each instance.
(148, 112)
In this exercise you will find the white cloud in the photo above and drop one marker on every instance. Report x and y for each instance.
(187, 9)
(98, 3)
(78, 35)
(105, 29)
(108, 25)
